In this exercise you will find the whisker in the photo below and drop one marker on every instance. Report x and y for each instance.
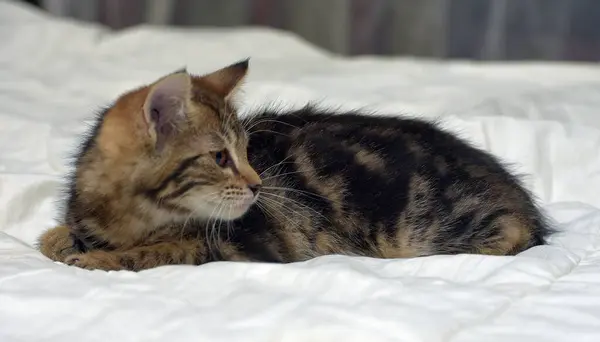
(261, 206)
(229, 223)
(297, 203)
(211, 228)
(216, 226)
(220, 226)
(264, 206)
(207, 229)
(279, 204)
(229, 117)
(278, 164)
(282, 174)
(299, 192)
(277, 174)
(271, 120)
(289, 218)
(269, 131)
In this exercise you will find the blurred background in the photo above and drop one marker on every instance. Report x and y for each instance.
(473, 29)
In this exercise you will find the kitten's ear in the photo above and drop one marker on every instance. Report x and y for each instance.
(225, 81)
(165, 106)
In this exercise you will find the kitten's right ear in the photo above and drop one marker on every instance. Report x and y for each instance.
(165, 107)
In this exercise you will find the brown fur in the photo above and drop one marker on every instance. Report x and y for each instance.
(150, 187)
(57, 243)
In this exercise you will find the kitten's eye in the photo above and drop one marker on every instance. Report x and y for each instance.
(221, 158)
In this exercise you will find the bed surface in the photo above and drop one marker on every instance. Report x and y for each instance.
(54, 74)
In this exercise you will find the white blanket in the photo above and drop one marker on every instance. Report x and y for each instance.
(542, 117)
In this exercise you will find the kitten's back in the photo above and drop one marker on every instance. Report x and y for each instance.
(388, 187)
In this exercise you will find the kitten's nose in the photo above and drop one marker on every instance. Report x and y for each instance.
(254, 188)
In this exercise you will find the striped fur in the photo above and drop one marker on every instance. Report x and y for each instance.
(150, 187)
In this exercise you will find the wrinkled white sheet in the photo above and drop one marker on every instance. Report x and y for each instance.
(541, 117)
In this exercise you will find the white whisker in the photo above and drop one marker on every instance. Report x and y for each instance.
(207, 225)
(279, 204)
(297, 203)
(216, 225)
(269, 131)
(289, 217)
(301, 192)
(278, 164)
(271, 120)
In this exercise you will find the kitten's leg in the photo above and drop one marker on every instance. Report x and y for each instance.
(142, 257)
(57, 243)
(190, 252)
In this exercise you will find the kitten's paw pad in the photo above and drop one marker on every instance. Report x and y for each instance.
(96, 260)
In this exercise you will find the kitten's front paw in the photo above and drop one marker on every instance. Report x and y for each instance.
(56, 243)
(96, 260)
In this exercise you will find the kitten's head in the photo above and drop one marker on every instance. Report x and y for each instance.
(172, 149)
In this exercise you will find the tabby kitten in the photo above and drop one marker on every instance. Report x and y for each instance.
(171, 175)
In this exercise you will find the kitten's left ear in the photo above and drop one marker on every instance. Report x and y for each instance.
(165, 106)
(226, 80)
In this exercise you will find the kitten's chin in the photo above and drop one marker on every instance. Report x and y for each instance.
(238, 210)
(226, 212)
(236, 213)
